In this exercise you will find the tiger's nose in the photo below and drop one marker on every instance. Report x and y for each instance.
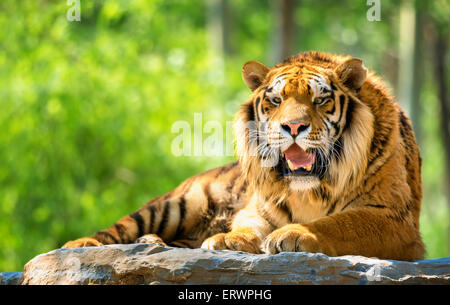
(295, 128)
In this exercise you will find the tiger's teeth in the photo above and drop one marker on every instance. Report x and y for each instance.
(308, 168)
(291, 166)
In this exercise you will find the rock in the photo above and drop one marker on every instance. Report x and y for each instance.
(155, 264)
(10, 278)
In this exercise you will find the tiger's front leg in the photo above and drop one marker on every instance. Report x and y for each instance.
(82, 242)
(248, 231)
(369, 231)
(150, 239)
(297, 238)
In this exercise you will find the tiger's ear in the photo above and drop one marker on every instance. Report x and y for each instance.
(352, 73)
(253, 74)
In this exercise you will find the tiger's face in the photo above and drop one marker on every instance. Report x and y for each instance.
(301, 112)
(304, 120)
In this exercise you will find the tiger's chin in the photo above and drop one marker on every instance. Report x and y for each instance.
(303, 183)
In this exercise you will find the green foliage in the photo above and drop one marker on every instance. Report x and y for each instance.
(87, 107)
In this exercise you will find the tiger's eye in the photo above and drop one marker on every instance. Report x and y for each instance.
(321, 101)
(276, 101)
(317, 101)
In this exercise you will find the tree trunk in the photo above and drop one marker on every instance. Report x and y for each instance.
(284, 29)
(440, 53)
(218, 42)
(418, 77)
(407, 45)
(226, 19)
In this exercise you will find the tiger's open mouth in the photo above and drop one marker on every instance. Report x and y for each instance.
(296, 161)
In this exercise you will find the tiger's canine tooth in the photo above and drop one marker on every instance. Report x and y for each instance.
(308, 168)
(291, 166)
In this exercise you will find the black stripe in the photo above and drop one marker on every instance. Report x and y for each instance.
(106, 234)
(165, 219)
(210, 212)
(220, 171)
(334, 125)
(405, 127)
(254, 110)
(379, 143)
(225, 169)
(401, 216)
(257, 101)
(139, 221)
(260, 108)
(404, 121)
(121, 232)
(359, 195)
(211, 205)
(332, 96)
(341, 103)
(254, 113)
(333, 206)
(151, 226)
(337, 128)
(402, 133)
(376, 206)
(324, 193)
(377, 169)
(333, 86)
(243, 188)
(182, 207)
(331, 112)
(166, 196)
(285, 208)
(349, 113)
(350, 202)
(326, 126)
(380, 140)
(232, 182)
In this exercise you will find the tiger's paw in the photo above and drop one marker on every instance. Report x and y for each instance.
(236, 241)
(82, 242)
(291, 238)
(150, 239)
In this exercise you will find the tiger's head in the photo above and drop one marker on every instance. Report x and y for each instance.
(304, 125)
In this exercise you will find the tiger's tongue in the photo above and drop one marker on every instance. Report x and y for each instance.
(298, 157)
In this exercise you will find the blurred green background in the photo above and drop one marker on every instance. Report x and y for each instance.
(86, 107)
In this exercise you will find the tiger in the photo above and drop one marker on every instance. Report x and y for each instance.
(327, 162)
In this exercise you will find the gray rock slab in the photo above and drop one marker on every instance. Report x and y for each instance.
(10, 278)
(155, 264)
